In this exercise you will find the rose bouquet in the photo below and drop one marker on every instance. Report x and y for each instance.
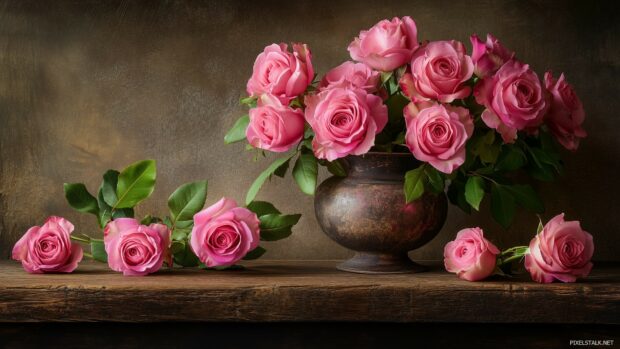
(472, 120)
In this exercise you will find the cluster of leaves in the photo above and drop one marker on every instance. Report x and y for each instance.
(121, 192)
(118, 194)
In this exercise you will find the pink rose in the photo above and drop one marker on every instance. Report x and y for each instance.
(350, 74)
(274, 126)
(224, 233)
(439, 71)
(281, 73)
(387, 45)
(470, 255)
(566, 112)
(48, 248)
(136, 249)
(561, 251)
(514, 98)
(345, 121)
(488, 56)
(437, 135)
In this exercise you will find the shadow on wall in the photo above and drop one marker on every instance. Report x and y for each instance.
(89, 86)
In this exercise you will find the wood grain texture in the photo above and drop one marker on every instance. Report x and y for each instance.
(302, 291)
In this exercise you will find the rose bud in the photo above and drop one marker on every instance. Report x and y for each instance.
(566, 113)
(282, 73)
(273, 126)
(437, 135)
(48, 248)
(387, 45)
(488, 56)
(470, 255)
(560, 251)
(136, 249)
(345, 121)
(224, 233)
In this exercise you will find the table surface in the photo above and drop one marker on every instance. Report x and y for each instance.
(302, 291)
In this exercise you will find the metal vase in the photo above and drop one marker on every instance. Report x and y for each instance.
(366, 212)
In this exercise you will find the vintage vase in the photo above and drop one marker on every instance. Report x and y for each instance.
(366, 212)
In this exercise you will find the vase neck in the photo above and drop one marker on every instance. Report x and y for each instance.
(381, 166)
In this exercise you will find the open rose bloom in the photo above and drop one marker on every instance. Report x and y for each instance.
(561, 251)
(469, 112)
(471, 256)
(135, 249)
(48, 248)
(224, 233)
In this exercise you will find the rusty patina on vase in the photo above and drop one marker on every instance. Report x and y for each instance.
(366, 212)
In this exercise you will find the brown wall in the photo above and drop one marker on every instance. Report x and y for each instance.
(91, 85)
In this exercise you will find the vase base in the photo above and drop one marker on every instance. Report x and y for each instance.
(371, 263)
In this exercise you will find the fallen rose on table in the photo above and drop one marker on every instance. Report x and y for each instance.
(561, 250)
(215, 237)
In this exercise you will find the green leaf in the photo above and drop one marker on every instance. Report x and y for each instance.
(187, 200)
(123, 213)
(97, 249)
(237, 132)
(414, 184)
(105, 211)
(186, 257)
(135, 183)
(385, 76)
(337, 168)
(395, 104)
(80, 199)
(276, 226)
(305, 172)
(502, 205)
(258, 182)
(456, 194)
(486, 148)
(307, 143)
(177, 246)
(180, 234)
(184, 224)
(540, 226)
(281, 171)
(543, 157)
(435, 179)
(255, 253)
(308, 132)
(168, 222)
(511, 158)
(474, 191)
(250, 101)
(544, 173)
(526, 197)
(108, 187)
(400, 138)
(262, 208)
(148, 219)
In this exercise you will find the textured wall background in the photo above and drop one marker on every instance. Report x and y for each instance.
(91, 85)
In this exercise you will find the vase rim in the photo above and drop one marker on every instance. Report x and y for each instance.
(386, 153)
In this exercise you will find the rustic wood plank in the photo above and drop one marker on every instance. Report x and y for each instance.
(301, 291)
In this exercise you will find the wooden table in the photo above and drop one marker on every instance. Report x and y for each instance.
(302, 291)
